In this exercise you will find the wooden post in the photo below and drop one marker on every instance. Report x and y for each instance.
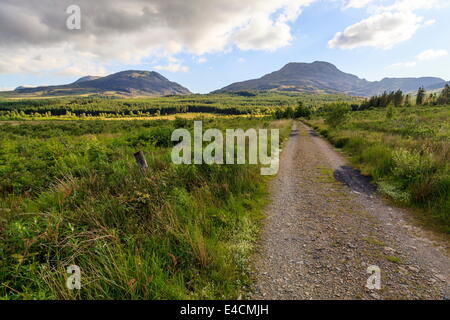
(141, 162)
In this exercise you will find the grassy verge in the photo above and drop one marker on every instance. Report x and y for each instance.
(408, 155)
(70, 193)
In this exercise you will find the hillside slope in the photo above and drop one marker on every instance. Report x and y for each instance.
(324, 77)
(130, 83)
(314, 77)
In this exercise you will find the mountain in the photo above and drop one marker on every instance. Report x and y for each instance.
(437, 86)
(392, 84)
(309, 77)
(130, 83)
(316, 77)
(324, 77)
(24, 87)
(87, 78)
(136, 82)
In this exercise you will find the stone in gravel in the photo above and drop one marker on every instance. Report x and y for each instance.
(403, 270)
(375, 296)
(440, 277)
(389, 250)
(414, 269)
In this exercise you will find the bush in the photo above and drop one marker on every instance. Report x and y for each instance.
(324, 132)
(159, 137)
(380, 158)
(180, 123)
(411, 166)
(389, 111)
(303, 112)
(289, 113)
(279, 114)
(337, 114)
(341, 142)
(394, 191)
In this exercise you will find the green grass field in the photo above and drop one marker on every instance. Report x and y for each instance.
(258, 103)
(408, 155)
(71, 193)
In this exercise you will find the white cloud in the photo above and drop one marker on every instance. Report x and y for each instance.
(431, 54)
(383, 31)
(388, 26)
(424, 56)
(6, 89)
(201, 60)
(412, 5)
(263, 34)
(113, 31)
(409, 64)
(357, 4)
(173, 65)
(59, 60)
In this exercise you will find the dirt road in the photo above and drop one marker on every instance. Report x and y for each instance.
(321, 235)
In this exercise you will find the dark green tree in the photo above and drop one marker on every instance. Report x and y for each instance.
(420, 99)
(337, 114)
(407, 102)
(279, 114)
(444, 97)
(398, 98)
(390, 111)
(303, 111)
(289, 113)
(384, 100)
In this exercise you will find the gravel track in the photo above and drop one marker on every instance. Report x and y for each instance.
(321, 234)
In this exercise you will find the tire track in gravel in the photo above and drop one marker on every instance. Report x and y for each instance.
(321, 235)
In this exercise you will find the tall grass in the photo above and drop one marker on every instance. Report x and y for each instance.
(179, 232)
(407, 154)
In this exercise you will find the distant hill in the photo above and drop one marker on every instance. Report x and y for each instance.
(87, 78)
(24, 87)
(437, 86)
(316, 77)
(129, 83)
(308, 77)
(407, 85)
(324, 77)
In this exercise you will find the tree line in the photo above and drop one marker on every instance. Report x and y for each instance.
(399, 99)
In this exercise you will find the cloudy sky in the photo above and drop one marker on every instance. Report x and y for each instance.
(207, 44)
